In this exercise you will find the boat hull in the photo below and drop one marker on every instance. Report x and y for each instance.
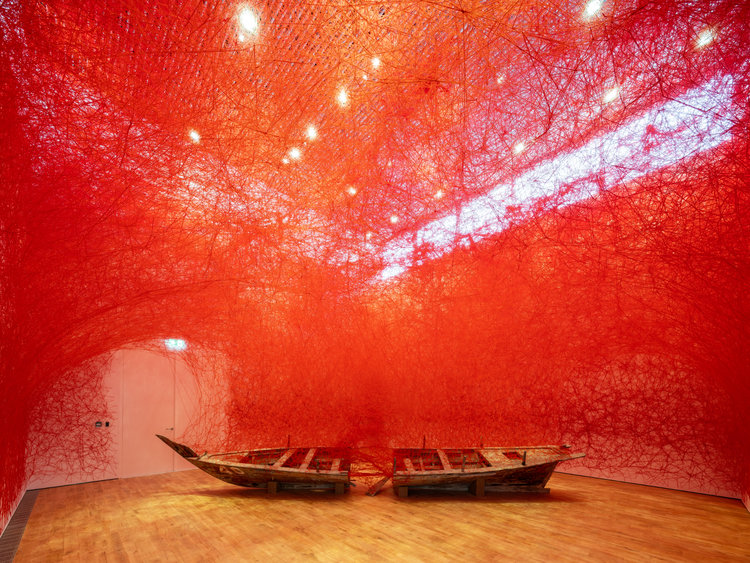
(252, 476)
(534, 476)
(524, 469)
(274, 469)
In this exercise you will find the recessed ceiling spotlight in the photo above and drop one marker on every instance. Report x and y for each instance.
(611, 95)
(295, 153)
(194, 136)
(705, 38)
(248, 21)
(311, 132)
(593, 7)
(342, 97)
(394, 219)
(439, 194)
(375, 62)
(519, 147)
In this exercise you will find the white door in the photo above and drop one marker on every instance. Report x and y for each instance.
(158, 397)
(145, 393)
(148, 408)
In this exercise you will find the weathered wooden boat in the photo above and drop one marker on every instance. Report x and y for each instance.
(276, 468)
(522, 469)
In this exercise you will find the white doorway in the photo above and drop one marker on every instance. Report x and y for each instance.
(156, 392)
(145, 393)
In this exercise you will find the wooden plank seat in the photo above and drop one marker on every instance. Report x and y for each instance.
(444, 460)
(308, 458)
(282, 460)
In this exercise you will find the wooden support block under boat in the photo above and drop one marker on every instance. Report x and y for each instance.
(477, 488)
(516, 489)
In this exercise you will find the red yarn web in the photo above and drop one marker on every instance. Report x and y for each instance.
(383, 223)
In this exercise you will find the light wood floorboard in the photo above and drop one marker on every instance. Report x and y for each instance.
(189, 516)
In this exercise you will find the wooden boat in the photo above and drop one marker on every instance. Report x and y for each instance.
(522, 469)
(276, 468)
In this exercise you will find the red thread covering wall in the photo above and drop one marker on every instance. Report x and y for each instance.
(618, 323)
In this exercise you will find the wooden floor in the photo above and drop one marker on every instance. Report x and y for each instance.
(189, 516)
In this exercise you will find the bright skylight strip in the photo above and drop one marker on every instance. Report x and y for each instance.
(695, 122)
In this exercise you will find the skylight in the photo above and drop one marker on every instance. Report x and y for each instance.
(693, 123)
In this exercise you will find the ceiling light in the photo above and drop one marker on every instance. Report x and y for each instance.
(285, 160)
(364, 76)
(351, 190)
(194, 136)
(500, 78)
(295, 153)
(394, 219)
(519, 147)
(439, 194)
(375, 62)
(342, 97)
(248, 20)
(705, 38)
(368, 235)
(311, 132)
(593, 7)
(611, 95)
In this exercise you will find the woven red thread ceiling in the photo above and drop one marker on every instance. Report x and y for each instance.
(377, 223)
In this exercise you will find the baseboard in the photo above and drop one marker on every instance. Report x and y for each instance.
(13, 531)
